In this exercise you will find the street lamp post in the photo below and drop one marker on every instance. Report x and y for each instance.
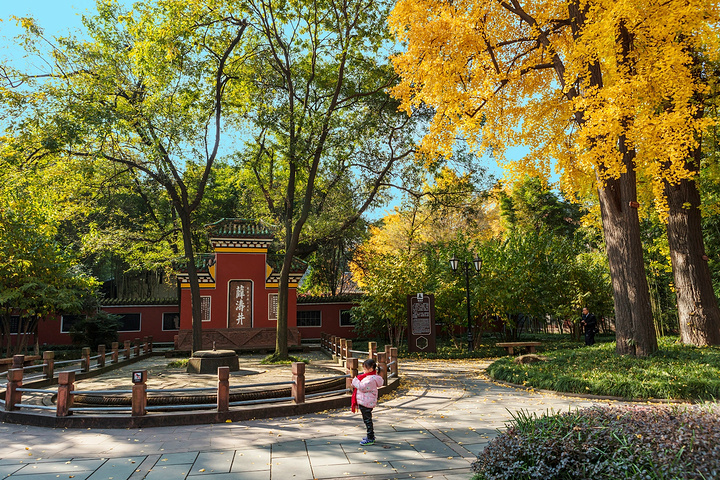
(477, 263)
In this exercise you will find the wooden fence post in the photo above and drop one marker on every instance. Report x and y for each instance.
(372, 350)
(101, 358)
(139, 394)
(351, 365)
(18, 361)
(298, 386)
(343, 350)
(223, 389)
(136, 347)
(150, 342)
(85, 359)
(14, 381)
(126, 344)
(382, 366)
(49, 364)
(394, 358)
(66, 381)
(145, 346)
(115, 357)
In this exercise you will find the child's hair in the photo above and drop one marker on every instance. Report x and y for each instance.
(370, 364)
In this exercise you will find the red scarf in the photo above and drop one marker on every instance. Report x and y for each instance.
(353, 402)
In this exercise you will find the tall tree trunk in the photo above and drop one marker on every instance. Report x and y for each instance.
(698, 312)
(635, 333)
(634, 326)
(281, 337)
(193, 279)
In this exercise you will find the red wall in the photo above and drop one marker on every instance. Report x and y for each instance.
(237, 266)
(329, 320)
(151, 323)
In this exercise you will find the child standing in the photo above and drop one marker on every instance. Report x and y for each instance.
(365, 397)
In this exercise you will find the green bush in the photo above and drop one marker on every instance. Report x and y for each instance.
(676, 371)
(99, 329)
(620, 442)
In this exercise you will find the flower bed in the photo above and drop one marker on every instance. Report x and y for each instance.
(619, 442)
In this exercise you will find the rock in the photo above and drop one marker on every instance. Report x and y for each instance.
(529, 358)
(208, 361)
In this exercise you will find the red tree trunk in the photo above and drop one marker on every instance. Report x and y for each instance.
(635, 332)
(698, 312)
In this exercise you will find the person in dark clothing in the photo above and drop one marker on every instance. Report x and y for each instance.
(589, 323)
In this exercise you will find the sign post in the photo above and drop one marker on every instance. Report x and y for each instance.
(421, 323)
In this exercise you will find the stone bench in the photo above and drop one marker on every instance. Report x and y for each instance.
(510, 346)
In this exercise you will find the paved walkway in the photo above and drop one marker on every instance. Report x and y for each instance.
(432, 427)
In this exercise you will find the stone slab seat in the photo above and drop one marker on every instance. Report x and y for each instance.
(214, 353)
(510, 346)
(208, 361)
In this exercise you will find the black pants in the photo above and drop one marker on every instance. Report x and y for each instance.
(367, 419)
(589, 338)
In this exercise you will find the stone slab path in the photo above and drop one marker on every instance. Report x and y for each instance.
(444, 413)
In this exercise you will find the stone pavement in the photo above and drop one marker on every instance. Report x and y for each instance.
(444, 413)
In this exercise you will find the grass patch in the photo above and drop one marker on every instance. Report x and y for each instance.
(676, 371)
(275, 360)
(602, 442)
(182, 363)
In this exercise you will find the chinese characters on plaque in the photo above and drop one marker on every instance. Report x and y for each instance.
(272, 306)
(205, 309)
(421, 323)
(240, 304)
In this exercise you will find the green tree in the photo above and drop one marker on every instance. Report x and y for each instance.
(38, 278)
(146, 93)
(321, 121)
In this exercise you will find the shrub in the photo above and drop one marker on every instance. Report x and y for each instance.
(676, 371)
(99, 329)
(619, 442)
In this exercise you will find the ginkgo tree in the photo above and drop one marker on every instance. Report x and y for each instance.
(605, 89)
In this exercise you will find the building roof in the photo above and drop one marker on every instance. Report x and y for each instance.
(276, 262)
(329, 298)
(239, 228)
(111, 302)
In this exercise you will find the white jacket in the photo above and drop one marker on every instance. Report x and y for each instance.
(367, 390)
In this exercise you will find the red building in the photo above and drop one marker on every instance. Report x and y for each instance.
(138, 318)
(239, 284)
(329, 314)
(239, 290)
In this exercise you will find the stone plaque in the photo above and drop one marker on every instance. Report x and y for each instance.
(272, 306)
(205, 308)
(240, 298)
(421, 323)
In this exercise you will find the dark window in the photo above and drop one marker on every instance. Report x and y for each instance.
(171, 321)
(346, 319)
(17, 324)
(308, 318)
(67, 321)
(129, 322)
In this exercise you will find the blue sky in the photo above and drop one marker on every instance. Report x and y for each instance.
(57, 17)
